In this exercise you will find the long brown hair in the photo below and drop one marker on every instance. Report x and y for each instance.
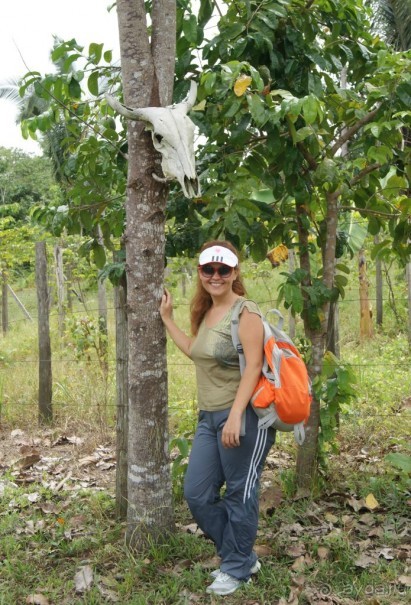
(201, 300)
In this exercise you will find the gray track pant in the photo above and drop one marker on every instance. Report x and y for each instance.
(231, 519)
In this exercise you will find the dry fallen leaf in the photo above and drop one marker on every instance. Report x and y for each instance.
(270, 499)
(356, 505)
(296, 550)
(83, 578)
(263, 550)
(27, 461)
(37, 599)
(323, 553)
(109, 595)
(364, 561)
(387, 553)
(330, 518)
(371, 503)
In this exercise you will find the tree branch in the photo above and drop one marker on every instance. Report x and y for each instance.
(364, 173)
(311, 161)
(336, 194)
(350, 132)
(370, 211)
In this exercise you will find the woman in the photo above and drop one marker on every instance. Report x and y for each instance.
(228, 446)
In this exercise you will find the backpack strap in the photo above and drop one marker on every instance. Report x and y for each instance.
(235, 322)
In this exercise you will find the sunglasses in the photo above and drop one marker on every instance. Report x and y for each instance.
(222, 270)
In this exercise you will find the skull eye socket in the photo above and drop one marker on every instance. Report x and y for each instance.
(158, 138)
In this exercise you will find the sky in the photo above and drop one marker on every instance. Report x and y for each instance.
(26, 36)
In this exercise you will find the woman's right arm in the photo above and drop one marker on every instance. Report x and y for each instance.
(181, 339)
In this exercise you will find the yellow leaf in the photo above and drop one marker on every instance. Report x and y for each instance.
(370, 502)
(200, 106)
(241, 85)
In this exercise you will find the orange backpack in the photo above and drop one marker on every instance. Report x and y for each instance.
(282, 397)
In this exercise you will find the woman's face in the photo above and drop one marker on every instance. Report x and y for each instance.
(217, 278)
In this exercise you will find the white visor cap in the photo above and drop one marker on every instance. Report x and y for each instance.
(218, 254)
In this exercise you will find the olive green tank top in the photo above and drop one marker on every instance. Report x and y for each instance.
(216, 362)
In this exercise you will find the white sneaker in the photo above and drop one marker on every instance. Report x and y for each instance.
(224, 584)
(255, 569)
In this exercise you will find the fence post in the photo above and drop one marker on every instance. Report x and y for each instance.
(120, 304)
(45, 373)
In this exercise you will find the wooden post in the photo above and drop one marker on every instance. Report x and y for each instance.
(45, 373)
(366, 327)
(120, 304)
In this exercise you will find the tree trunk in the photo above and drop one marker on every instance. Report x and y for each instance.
(291, 269)
(4, 304)
(308, 453)
(147, 71)
(45, 373)
(366, 328)
(333, 332)
(120, 304)
(58, 260)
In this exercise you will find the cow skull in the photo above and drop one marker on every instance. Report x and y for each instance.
(172, 132)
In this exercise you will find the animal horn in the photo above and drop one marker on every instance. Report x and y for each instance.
(131, 114)
(192, 95)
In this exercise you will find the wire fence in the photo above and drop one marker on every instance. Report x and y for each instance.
(7, 364)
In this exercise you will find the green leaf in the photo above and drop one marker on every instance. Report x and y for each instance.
(379, 153)
(294, 297)
(108, 56)
(257, 109)
(95, 51)
(92, 83)
(303, 133)
(74, 89)
(326, 172)
(205, 12)
(190, 29)
(309, 109)
(404, 93)
(99, 255)
(400, 461)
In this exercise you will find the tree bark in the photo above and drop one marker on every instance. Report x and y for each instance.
(120, 304)
(45, 371)
(150, 510)
(308, 453)
(291, 318)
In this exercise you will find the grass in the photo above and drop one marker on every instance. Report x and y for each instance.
(311, 549)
